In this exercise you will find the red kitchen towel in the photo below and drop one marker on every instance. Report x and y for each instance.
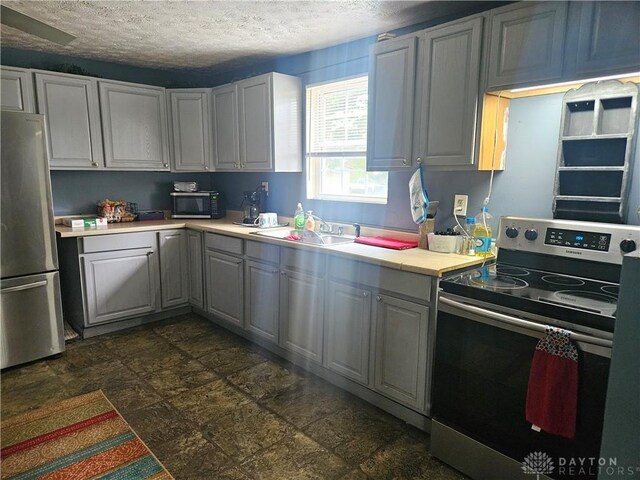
(552, 396)
(386, 242)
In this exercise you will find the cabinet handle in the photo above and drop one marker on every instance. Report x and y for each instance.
(378, 298)
(276, 271)
(418, 160)
(365, 294)
(150, 253)
(165, 165)
(284, 274)
(94, 164)
(206, 167)
(404, 161)
(244, 165)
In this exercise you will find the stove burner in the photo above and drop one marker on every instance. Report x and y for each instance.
(512, 271)
(598, 302)
(498, 282)
(611, 289)
(562, 280)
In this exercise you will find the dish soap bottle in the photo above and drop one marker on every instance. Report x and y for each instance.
(310, 223)
(298, 218)
(482, 233)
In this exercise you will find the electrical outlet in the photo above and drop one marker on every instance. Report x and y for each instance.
(460, 205)
(265, 187)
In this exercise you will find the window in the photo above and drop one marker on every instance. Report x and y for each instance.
(337, 144)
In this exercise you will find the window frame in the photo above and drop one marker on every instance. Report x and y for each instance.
(313, 160)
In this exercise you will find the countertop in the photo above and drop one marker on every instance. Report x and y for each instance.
(412, 260)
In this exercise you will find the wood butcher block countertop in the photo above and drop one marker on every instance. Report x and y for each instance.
(412, 260)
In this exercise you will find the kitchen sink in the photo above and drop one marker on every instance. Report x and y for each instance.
(321, 239)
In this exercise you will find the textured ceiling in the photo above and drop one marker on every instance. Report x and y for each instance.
(201, 34)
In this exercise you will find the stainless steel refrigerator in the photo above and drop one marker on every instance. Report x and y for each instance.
(31, 324)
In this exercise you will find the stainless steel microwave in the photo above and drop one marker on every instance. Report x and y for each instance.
(198, 205)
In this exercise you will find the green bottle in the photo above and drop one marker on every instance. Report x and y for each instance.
(298, 218)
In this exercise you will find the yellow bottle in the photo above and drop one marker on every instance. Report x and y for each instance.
(310, 222)
(482, 233)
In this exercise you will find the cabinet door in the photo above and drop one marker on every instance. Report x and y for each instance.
(134, 125)
(224, 286)
(447, 93)
(190, 129)
(347, 327)
(391, 100)
(608, 38)
(527, 44)
(401, 350)
(301, 313)
(16, 90)
(196, 284)
(224, 115)
(73, 120)
(262, 294)
(119, 284)
(174, 266)
(255, 123)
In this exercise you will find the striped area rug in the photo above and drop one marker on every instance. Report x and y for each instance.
(83, 437)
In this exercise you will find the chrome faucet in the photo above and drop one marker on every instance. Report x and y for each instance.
(324, 226)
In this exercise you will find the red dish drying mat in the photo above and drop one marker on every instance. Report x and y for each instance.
(386, 242)
(552, 395)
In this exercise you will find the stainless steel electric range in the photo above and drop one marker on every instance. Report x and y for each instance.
(548, 272)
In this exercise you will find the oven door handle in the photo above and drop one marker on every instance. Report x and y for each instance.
(518, 322)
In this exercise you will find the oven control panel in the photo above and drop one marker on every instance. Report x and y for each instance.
(601, 242)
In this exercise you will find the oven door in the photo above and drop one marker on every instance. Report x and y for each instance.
(481, 373)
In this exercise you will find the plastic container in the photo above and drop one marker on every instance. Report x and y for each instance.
(298, 218)
(310, 222)
(470, 247)
(483, 232)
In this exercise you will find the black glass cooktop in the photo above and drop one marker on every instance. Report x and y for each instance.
(569, 298)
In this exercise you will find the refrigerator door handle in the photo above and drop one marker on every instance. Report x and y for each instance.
(28, 286)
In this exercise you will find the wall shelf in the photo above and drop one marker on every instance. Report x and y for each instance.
(595, 153)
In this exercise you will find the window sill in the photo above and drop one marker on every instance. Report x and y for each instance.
(349, 199)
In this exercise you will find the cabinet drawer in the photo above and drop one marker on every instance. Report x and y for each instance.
(263, 251)
(223, 243)
(122, 241)
(301, 260)
(404, 283)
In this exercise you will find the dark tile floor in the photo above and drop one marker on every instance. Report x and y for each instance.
(211, 405)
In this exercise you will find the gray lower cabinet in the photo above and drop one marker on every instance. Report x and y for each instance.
(526, 44)
(196, 280)
(191, 135)
(134, 126)
(262, 293)
(16, 90)
(302, 313)
(224, 281)
(447, 94)
(391, 103)
(401, 350)
(347, 331)
(174, 268)
(72, 111)
(119, 284)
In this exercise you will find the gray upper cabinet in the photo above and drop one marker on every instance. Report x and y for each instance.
(447, 93)
(607, 38)
(224, 124)
(191, 136)
(401, 350)
(391, 102)
(255, 127)
(526, 44)
(257, 124)
(347, 331)
(16, 90)
(70, 104)
(119, 284)
(174, 268)
(134, 126)
(196, 281)
(301, 315)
